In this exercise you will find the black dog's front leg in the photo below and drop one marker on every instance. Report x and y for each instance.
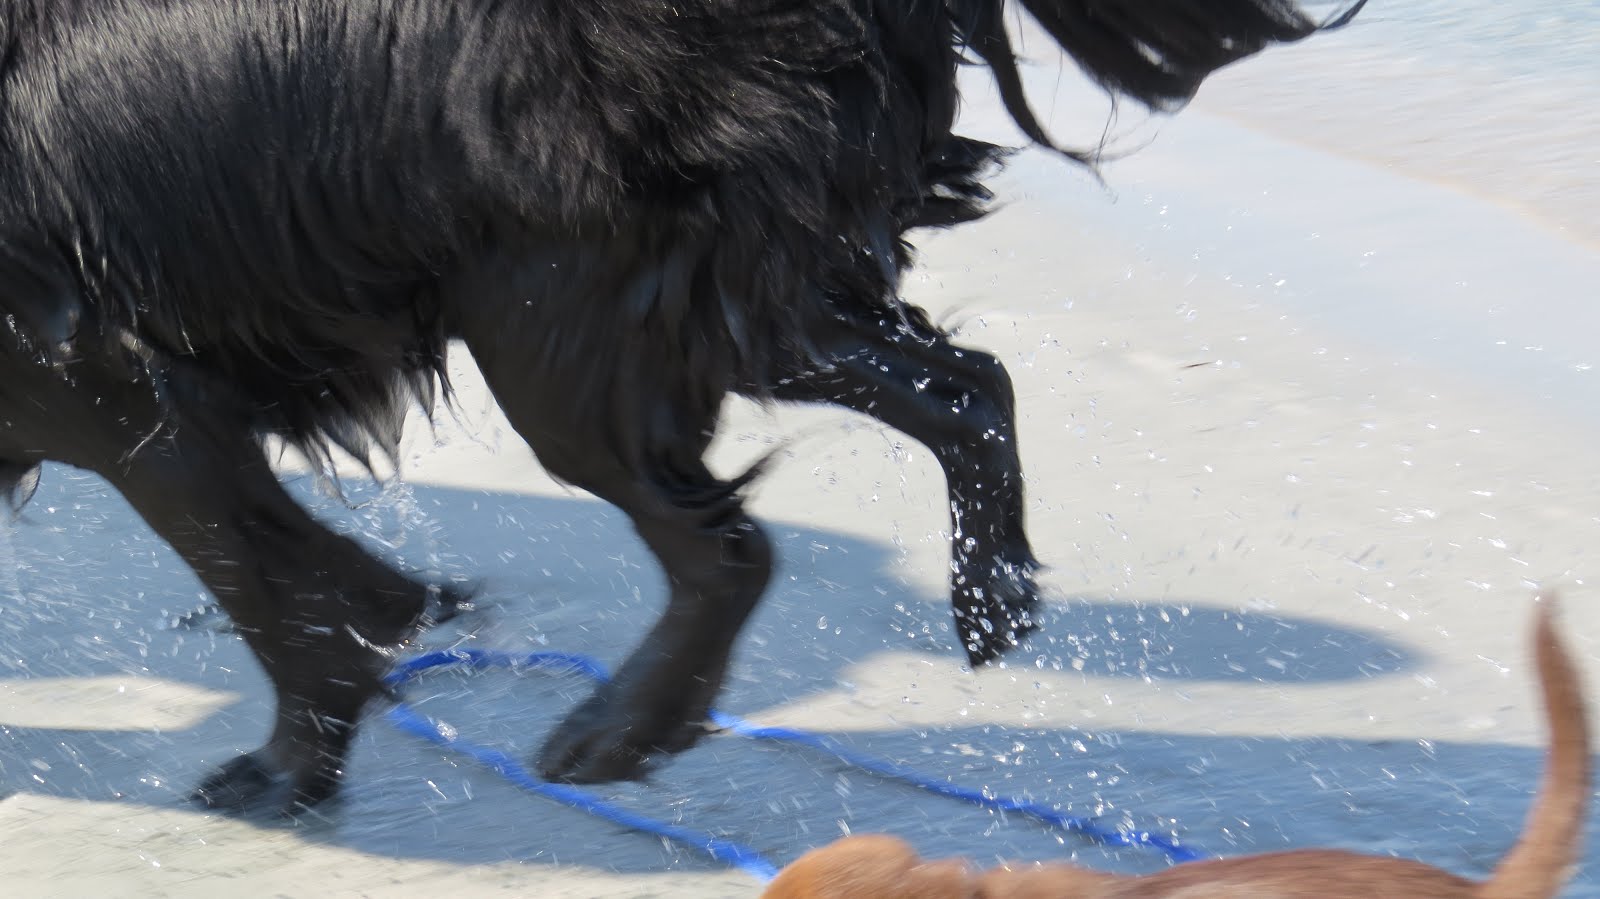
(318, 611)
(958, 403)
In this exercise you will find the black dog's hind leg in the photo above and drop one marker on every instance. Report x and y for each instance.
(317, 610)
(959, 403)
(631, 427)
(320, 613)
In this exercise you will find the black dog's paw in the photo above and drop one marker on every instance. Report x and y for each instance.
(606, 739)
(449, 601)
(249, 785)
(994, 615)
(238, 785)
(206, 616)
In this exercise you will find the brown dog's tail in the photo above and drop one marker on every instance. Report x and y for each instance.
(1541, 861)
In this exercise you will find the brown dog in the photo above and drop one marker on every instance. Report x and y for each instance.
(884, 867)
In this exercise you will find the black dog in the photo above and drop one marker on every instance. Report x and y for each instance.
(221, 219)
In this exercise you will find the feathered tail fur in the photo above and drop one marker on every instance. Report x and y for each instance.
(1157, 52)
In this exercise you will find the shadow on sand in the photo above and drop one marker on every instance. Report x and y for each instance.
(96, 594)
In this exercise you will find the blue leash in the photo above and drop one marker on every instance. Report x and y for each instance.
(737, 855)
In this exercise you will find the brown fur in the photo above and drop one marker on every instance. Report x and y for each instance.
(884, 867)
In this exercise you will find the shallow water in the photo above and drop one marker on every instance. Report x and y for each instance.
(1542, 38)
(1499, 99)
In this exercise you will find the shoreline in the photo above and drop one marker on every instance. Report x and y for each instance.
(1414, 169)
(1412, 267)
(1376, 92)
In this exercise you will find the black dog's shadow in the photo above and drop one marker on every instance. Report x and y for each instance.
(100, 595)
(1175, 640)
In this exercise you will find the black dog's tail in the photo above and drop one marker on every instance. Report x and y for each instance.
(1155, 51)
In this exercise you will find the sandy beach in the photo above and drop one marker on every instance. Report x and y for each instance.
(1304, 431)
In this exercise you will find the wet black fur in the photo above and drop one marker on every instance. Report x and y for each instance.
(223, 219)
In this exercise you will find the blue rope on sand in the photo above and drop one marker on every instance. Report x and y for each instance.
(737, 855)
